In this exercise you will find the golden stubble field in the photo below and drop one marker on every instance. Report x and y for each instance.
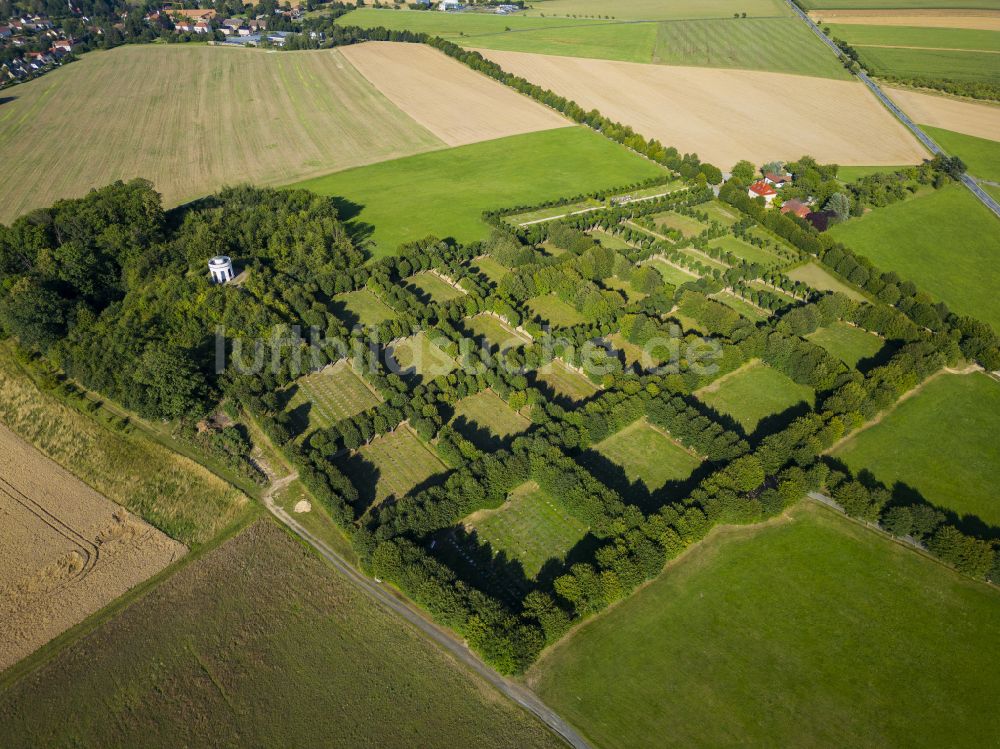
(193, 119)
(957, 18)
(728, 115)
(65, 550)
(980, 120)
(455, 103)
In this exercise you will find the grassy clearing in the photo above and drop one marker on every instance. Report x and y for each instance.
(705, 260)
(565, 382)
(647, 455)
(494, 331)
(736, 43)
(192, 119)
(258, 628)
(321, 399)
(361, 307)
(914, 36)
(436, 289)
(719, 211)
(390, 466)
(672, 274)
(931, 63)
(740, 305)
(941, 442)
(487, 421)
(809, 632)
(817, 277)
(981, 156)
(945, 241)
(456, 185)
(167, 490)
(421, 357)
(554, 311)
(747, 251)
(624, 287)
(849, 344)
(753, 393)
(610, 240)
(530, 527)
(689, 227)
(487, 266)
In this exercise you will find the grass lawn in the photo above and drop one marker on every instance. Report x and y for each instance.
(753, 392)
(931, 63)
(323, 398)
(554, 311)
(993, 190)
(418, 355)
(551, 211)
(390, 466)
(494, 331)
(817, 277)
(258, 638)
(486, 421)
(735, 43)
(686, 225)
(740, 305)
(647, 455)
(456, 185)
(706, 260)
(747, 251)
(859, 35)
(719, 211)
(438, 290)
(617, 284)
(847, 343)
(565, 382)
(946, 242)
(941, 442)
(487, 266)
(981, 156)
(672, 274)
(610, 240)
(812, 631)
(361, 307)
(530, 527)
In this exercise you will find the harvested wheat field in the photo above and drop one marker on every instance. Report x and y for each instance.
(65, 551)
(193, 119)
(728, 115)
(980, 120)
(985, 20)
(455, 103)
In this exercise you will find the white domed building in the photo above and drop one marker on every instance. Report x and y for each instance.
(221, 268)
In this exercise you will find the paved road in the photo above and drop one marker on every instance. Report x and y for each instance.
(934, 148)
(519, 694)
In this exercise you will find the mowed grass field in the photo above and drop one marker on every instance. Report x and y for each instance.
(487, 421)
(490, 268)
(809, 631)
(434, 288)
(486, 327)
(916, 37)
(554, 311)
(647, 455)
(390, 466)
(361, 307)
(321, 399)
(657, 9)
(754, 392)
(259, 643)
(445, 193)
(849, 344)
(941, 442)
(816, 276)
(747, 251)
(564, 382)
(956, 65)
(530, 527)
(946, 242)
(981, 156)
(192, 119)
(419, 356)
(167, 490)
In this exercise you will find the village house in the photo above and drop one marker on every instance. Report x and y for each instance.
(761, 189)
(202, 27)
(777, 180)
(796, 207)
(63, 46)
(5, 32)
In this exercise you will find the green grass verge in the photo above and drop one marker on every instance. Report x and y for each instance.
(754, 392)
(847, 343)
(736, 43)
(809, 632)
(941, 442)
(486, 327)
(647, 455)
(686, 225)
(981, 155)
(740, 305)
(445, 192)
(530, 527)
(258, 638)
(946, 242)
(854, 173)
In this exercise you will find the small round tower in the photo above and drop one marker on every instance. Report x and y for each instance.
(221, 268)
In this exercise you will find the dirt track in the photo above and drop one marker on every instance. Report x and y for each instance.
(728, 115)
(952, 19)
(455, 103)
(981, 120)
(65, 551)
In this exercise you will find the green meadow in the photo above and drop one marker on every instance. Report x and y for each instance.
(916, 36)
(849, 344)
(945, 241)
(445, 192)
(753, 393)
(658, 10)
(809, 631)
(941, 442)
(981, 156)
(931, 63)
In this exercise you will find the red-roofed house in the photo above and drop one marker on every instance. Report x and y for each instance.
(761, 189)
(797, 207)
(62, 45)
(777, 180)
(201, 27)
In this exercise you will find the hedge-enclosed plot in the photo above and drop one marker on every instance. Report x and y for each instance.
(564, 382)
(686, 225)
(554, 311)
(530, 527)
(361, 307)
(433, 287)
(490, 268)
(322, 399)
(746, 251)
(487, 421)
(847, 342)
(672, 274)
(817, 277)
(493, 330)
(420, 357)
(648, 455)
(753, 393)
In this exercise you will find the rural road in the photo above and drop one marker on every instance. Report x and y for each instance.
(519, 694)
(934, 148)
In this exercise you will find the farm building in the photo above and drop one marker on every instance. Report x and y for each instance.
(796, 207)
(761, 189)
